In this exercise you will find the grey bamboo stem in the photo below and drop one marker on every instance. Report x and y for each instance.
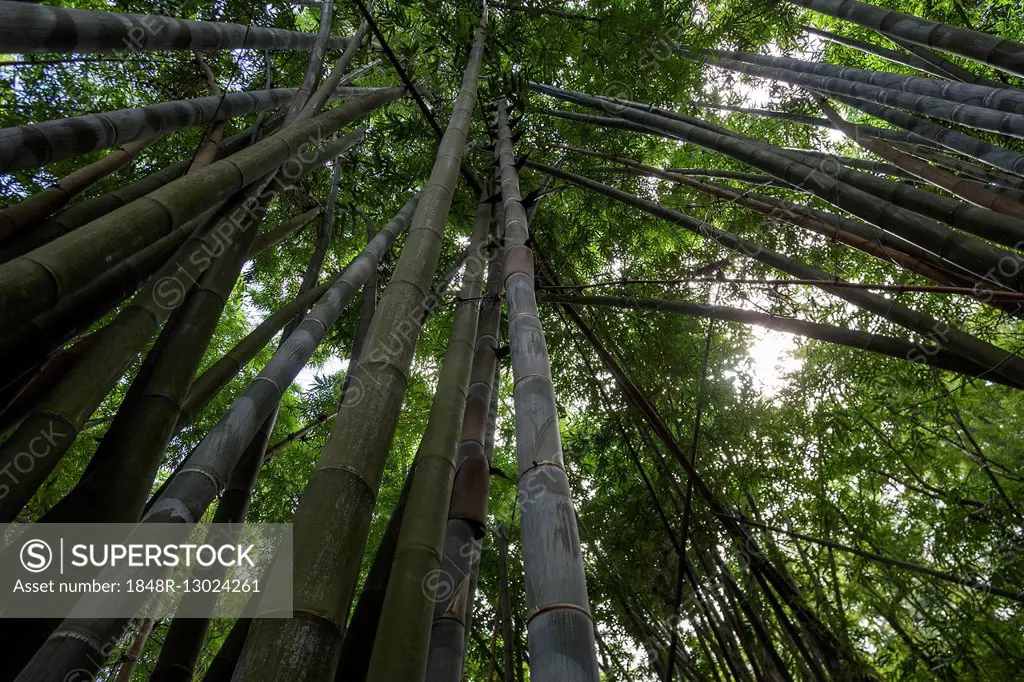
(851, 338)
(36, 144)
(894, 56)
(968, 347)
(26, 28)
(994, 155)
(981, 118)
(979, 259)
(561, 640)
(999, 99)
(968, 190)
(981, 47)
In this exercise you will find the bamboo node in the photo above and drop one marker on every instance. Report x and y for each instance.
(552, 607)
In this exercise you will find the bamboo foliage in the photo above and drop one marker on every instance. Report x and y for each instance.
(1006, 55)
(191, 491)
(966, 346)
(561, 630)
(340, 493)
(26, 28)
(29, 285)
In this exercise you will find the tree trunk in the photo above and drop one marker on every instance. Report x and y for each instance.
(27, 28)
(981, 47)
(183, 642)
(315, 68)
(944, 66)
(49, 331)
(560, 624)
(339, 497)
(131, 658)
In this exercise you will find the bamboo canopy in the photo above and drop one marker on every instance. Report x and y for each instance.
(620, 342)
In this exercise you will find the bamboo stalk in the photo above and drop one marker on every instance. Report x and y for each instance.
(981, 47)
(561, 627)
(339, 496)
(26, 28)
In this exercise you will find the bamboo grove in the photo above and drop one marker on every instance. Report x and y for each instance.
(627, 340)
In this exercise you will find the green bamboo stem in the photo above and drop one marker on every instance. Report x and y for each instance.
(467, 513)
(74, 646)
(31, 285)
(339, 498)
(408, 608)
(87, 210)
(28, 214)
(65, 410)
(127, 460)
(994, 155)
